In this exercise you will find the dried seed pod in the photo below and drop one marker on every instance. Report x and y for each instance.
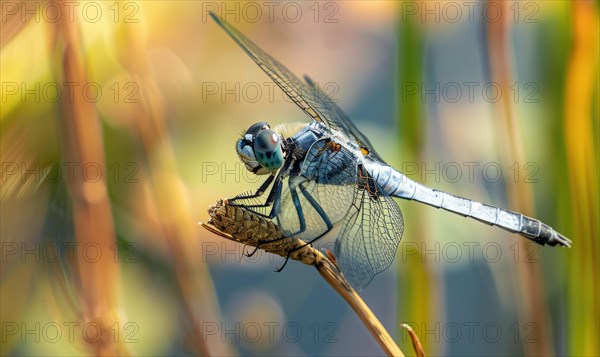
(251, 229)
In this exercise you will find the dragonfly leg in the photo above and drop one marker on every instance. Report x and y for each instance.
(276, 199)
(273, 194)
(321, 213)
(289, 253)
(299, 211)
(252, 252)
(278, 270)
(257, 194)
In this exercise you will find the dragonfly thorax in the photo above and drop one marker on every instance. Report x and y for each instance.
(260, 149)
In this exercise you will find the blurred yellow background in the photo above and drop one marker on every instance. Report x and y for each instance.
(118, 123)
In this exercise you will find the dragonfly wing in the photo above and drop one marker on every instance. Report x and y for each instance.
(324, 190)
(328, 162)
(342, 122)
(370, 234)
(307, 95)
(332, 186)
(309, 208)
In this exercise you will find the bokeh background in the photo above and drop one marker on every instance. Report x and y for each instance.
(119, 120)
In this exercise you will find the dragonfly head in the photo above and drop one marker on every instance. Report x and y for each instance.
(260, 149)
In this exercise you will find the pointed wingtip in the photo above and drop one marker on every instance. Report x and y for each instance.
(309, 80)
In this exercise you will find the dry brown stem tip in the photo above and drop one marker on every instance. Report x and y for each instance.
(243, 226)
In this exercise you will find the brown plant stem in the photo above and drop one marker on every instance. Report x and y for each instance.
(167, 193)
(415, 340)
(82, 143)
(243, 226)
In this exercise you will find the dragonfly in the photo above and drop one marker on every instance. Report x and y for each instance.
(326, 174)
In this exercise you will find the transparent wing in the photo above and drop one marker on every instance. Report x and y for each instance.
(311, 99)
(321, 191)
(370, 234)
(372, 223)
(332, 204)
(342, 122)
(327, 161)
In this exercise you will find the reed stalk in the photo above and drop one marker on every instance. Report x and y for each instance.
(581, 144)
(168, 195)
(243, 226)
(82, 143)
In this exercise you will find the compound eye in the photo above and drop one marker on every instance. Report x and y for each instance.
(256, 128)
(268, 150)
(266, 141)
